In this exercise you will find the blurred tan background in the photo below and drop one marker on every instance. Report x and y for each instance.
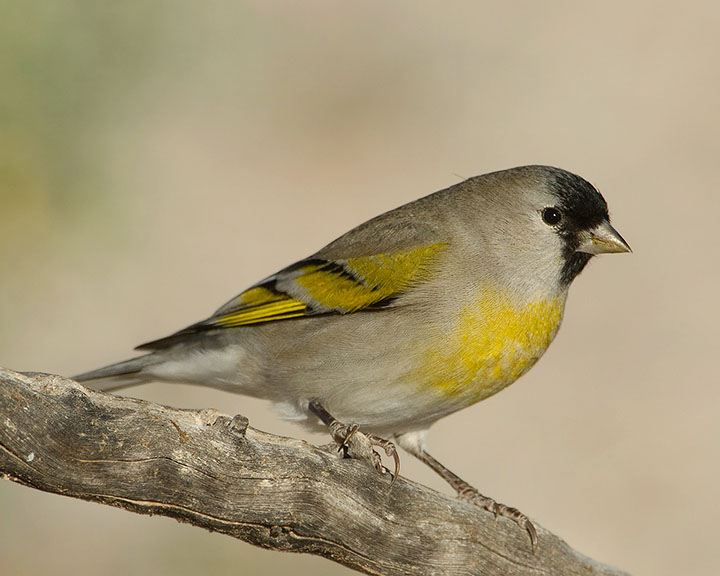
(158, 157)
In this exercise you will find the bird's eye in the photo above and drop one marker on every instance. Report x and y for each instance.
(552, 216)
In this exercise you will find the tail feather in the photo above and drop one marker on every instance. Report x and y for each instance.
(119, 375)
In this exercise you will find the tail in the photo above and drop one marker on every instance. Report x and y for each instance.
(120, 375)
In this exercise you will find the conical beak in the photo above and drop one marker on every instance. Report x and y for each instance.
(603, 239)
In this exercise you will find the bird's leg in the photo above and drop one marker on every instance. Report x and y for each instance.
(470, 494)
(362, 443)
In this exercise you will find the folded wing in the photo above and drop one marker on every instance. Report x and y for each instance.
(317, 286)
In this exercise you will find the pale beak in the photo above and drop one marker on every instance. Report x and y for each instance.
(603, 239)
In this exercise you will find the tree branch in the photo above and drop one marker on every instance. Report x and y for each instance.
(213, 471)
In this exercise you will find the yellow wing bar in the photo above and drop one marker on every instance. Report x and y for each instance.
(261, 305)
(316, 286)
(357, 283)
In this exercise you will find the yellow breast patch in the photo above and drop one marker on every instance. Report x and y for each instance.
(493, 342)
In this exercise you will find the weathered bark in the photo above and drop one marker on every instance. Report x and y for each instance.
(213, 471)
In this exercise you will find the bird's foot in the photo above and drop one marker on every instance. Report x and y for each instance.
(361, 445)
(357, 444)
(470, 494)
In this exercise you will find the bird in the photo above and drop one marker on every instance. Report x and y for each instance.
(407, 318)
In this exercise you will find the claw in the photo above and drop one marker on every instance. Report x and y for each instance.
(473, 496)
(342, 434)
(533, 535)
(396, 473)
(391, 451)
